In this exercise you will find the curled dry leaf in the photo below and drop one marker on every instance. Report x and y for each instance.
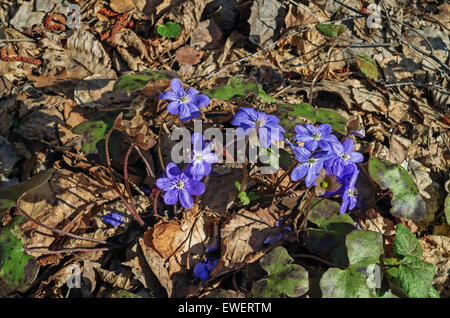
(166, 247)
(188, 56)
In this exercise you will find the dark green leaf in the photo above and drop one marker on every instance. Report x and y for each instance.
(367, 65)
(325, 212)
(337, 283)
(169, 30)
(238, 87)
(92, 132)
(364, 248)
(9, 195)
(291, 115)
(406, 243)
(331, 29)
(285, 278)
(137, 81)
(447, 209)
(407, 203)
(245, 200)
(17, 269)
(415, 277)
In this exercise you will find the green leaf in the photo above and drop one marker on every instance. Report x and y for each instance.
(329, 243)
(407, 202)
(415, 277)
(169, 30)
(136, 81)
(406, 243)
(285, 278)
(292, 114)
(238, 87)
(367, 65)
(364, 247)
(237, 184)
(9, 195)
(331, 29)
(325, 212)
(253, 196)
(17, 269)
(92, 132)
(245, 200)
(337, 283)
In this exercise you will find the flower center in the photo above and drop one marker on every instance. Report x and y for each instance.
(317, 137)
(345, 157)
(312, 161)
(198, 157)
(324, 184)
(184, 99)
(180, 184)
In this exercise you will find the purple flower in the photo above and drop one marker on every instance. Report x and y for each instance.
(113, 219)
(315, 136)
(349, 196)
(310, 166)
(179, 186)
(185, 103)
(202, 157)
(203, 269)
(267, 125)
(342, 155)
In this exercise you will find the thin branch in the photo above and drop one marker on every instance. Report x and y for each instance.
(75, 236)
(314, 257)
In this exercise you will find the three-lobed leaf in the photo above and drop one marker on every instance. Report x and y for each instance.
(17, 269)
(364, 248)
(367, 66)
(284, 279)
(331, 29)
(406, 243)
(169, 30)
(407, 202)
(338, 283)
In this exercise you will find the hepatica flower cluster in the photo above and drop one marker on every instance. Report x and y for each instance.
(335, 158)
(321, 157)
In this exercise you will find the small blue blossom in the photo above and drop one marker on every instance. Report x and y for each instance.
(202, 157)
(179, 186)
(113, 219)
(186, 103)
(310, 165)
(342, 155)
(267, 126)
(349, 198)
(203, 269)
(277, 235)
(314, 136)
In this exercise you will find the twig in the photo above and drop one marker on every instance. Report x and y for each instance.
(67, 250)
(75, 236)
(314, 257)
(305, 9)
(115, 186)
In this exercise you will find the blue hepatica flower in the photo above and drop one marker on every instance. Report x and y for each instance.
(315, 136)
(268, 126)
(342, 155)
(202, 157)
(349, 198)
(186, 103)
(179, 186)
(310, 166)
(203, 269)
(113, 219)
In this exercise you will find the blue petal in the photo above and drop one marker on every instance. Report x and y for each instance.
(356, 157)
(195, 187)
(201, 272)
(273, 238)
(191, 92)
(113, 219)
(188, 111)
(172, 170)
(174, 107)
(163, 184)
(264, 137)
(197, 171)
(310, 177)
(169, 95)
(311, 144)
(198, 141)
(302, 154)
(171, 197)
(348, 145)
(299, 172)
(185, 198)
(177, 87)
(200, 100)
(324, 129)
